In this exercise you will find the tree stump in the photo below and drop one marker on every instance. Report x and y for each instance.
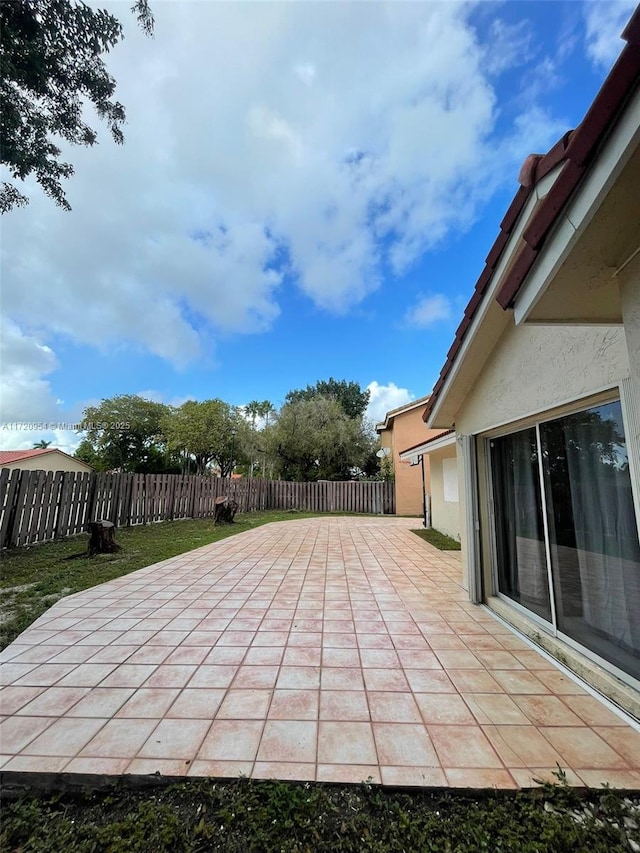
(102, 538)
(225, 510)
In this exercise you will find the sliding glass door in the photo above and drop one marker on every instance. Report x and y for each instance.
(520, 543)
(564, 509)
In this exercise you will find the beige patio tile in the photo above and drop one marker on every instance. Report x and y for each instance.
(101, 702)
(385, 679)
(343, 678)
(119, 738)
(213, 676)
(17, 732)
(393, 707)
(227, 656)
(463, 746)
(288, 741)
(241, 704)
(344, 705)
(624, 741)
(523, 746)
(220, 769)
(340, 658)
(127, 675)
(422, 777)
(404, 744)
(284, 770)
(469, 777)
(232, 740)
(528, 777)
(301, 677)
(149, 703)
(36, 763)
(583, 748)
(63, 736)
(615, 778)
(547, 711)
(443, 708)
(265, 656)
(457, 659)
(175, 739)
(519, 682)
(593, 711)
(559, 683)
(348, 773)
(434, 681)
(294, 704)
(255, 676)
(495, 708)
(346, 743)
(419, 659)
(13, 698)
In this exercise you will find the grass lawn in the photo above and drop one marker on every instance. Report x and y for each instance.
(35, 577)
(437, 539)
(252, 816)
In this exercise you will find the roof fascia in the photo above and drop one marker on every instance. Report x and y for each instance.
(477, 320)
(437, 443)
(624, 139)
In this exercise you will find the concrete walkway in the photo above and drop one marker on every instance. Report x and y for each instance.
(332, 649)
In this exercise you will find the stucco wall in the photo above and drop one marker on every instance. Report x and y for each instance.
(534, 368)
(49, 462)
(629, 285)
(407, 430)
(445, 515)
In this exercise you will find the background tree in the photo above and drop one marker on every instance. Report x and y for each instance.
(125, 432)
(41, 445)
(51, 65)
(314, 439)
(352, 399)
(209, 431)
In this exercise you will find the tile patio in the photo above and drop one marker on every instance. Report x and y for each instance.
(334, 649)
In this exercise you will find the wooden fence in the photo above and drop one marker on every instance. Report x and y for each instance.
(37, 506)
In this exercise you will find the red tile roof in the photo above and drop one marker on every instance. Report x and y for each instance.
(576, 150)
(8, 456)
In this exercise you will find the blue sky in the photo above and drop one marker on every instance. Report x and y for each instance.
(306, 190)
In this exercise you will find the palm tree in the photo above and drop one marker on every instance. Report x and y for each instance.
(41, 445)
(265, 408)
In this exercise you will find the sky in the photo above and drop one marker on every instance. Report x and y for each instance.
(306, 190)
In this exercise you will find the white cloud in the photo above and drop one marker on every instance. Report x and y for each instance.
(26, 396)
(605, 21)
(428, 310)
(383, 398)
(323, 141)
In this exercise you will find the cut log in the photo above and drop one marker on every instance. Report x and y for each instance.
(226, 508)
(102, 538)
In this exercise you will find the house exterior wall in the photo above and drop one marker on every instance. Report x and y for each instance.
(445, 514)
(406, 430)
(532, 371)
(534, 368)
(629, 286)
(53, 461)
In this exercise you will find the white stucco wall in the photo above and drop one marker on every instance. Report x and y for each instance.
(629, 287)
(445, 515)
(534, 368)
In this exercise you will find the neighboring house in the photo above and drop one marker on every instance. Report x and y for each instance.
(401, 428)
(42, 460)
(440, 457)
(542, 387)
